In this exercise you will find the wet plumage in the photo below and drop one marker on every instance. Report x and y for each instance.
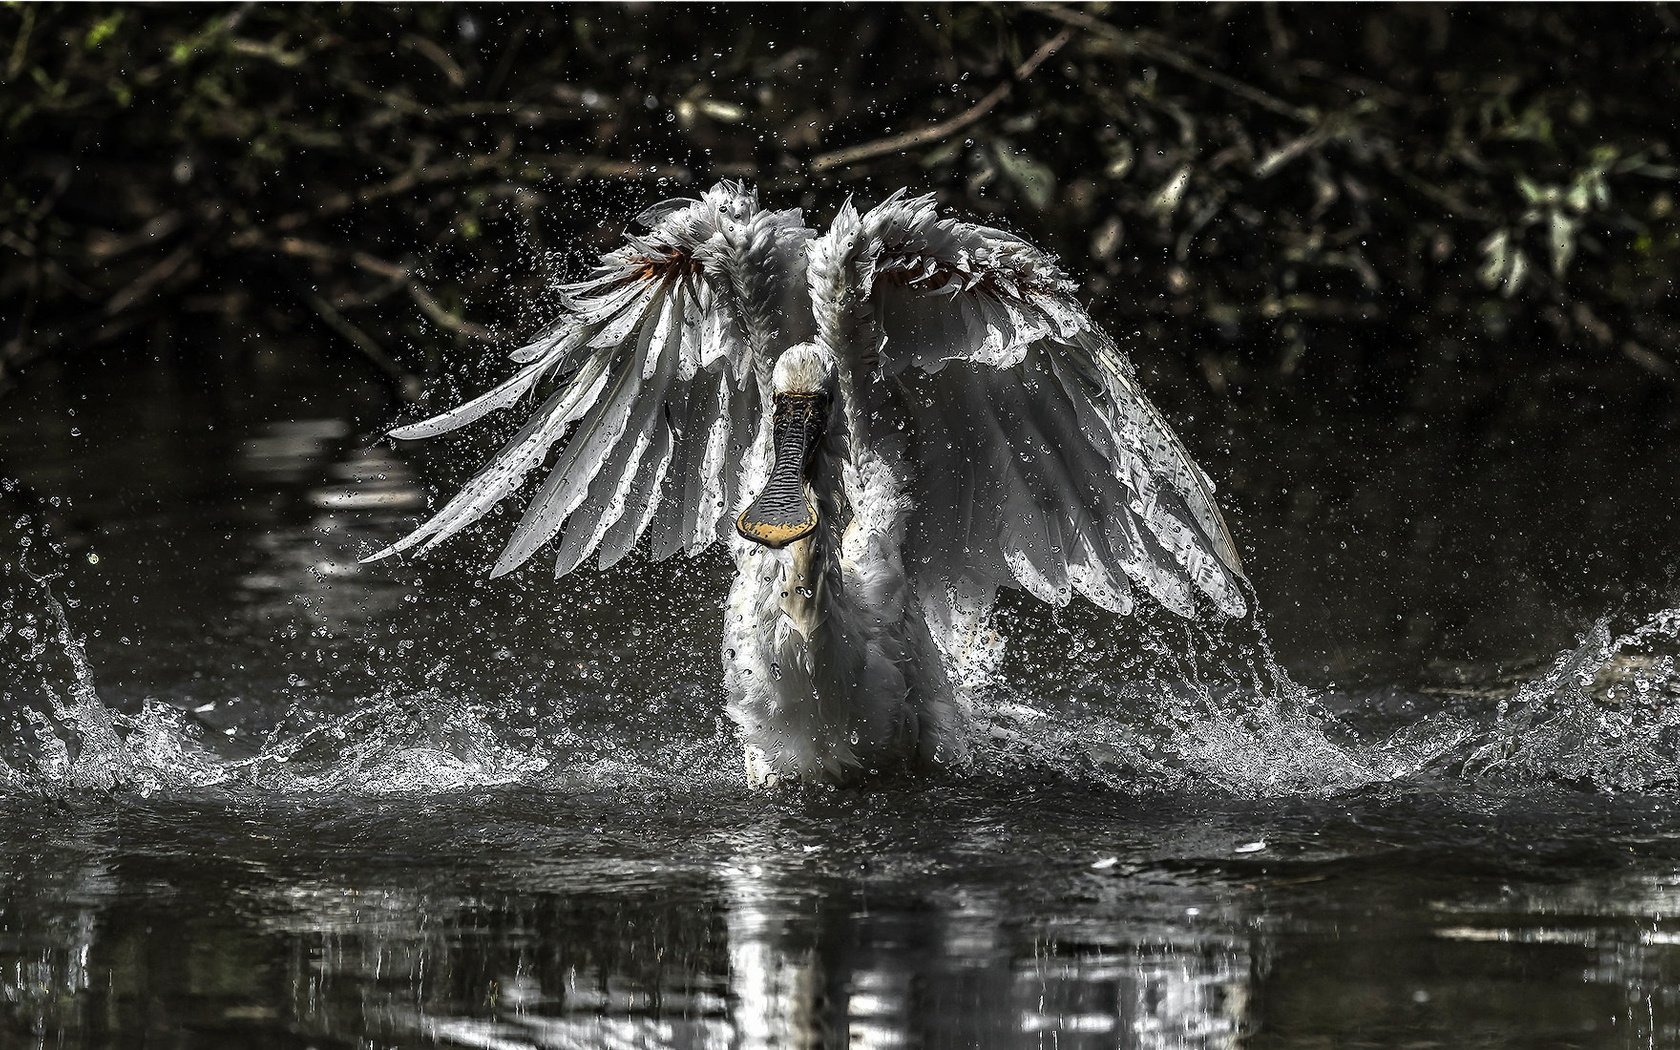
(950, 414)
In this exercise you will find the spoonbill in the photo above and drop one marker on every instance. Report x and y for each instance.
(887, 423)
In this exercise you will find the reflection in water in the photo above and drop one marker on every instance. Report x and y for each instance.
(750, 951)
(322, 929)
(811, 968)
(353, 498)
(48, 933)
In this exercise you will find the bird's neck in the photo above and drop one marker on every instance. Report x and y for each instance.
(813, 581)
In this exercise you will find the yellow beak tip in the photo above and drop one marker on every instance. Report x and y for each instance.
(775, 534)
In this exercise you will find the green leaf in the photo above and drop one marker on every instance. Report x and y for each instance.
(1518, 273)
(1120, 159)
(1171, 193)
(942, 154)
(1495, 258)
(723, 112)
(102, 30)
(1036, 181)
(1562, 237)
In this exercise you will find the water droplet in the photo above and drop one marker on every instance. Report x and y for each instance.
(776, 672)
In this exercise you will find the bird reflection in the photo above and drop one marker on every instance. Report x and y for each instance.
(810, 968)
(49, 928)
(759, 954)
(758, 948)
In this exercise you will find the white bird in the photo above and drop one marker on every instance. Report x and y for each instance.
(887, 422)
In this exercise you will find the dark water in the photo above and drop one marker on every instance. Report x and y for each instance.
(256, 794)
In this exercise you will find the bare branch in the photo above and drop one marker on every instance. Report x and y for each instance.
(408, 384)
(945, 129)
(1152, 48)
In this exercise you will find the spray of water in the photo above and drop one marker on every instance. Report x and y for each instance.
(1605, 716)
(1203, 712)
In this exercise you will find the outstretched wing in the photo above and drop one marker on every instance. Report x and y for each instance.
(1032, 457)
(662, 364)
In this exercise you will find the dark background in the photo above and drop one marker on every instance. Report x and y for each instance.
(1402, 275)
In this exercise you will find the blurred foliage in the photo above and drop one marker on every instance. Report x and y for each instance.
(1397, 195)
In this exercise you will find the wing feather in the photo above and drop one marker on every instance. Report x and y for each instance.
(500, 397)
(611, 489)
(689, 417)
(641, 503)
(1032, 457)
(646, 410)
(595, 446)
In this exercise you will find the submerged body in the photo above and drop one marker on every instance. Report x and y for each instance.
(887, 423)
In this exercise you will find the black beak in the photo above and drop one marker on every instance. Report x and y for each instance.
(783, 512)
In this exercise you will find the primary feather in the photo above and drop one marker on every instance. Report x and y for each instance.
(660, 353)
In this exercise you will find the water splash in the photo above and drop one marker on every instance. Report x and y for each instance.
(1212, 713)
(99, 761)
(1205, 713)
(391, 745)
(427, 743)
(1605, 716)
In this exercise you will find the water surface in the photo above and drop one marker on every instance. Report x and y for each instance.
(258, 794)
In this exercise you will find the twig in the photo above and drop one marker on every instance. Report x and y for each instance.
(582, 165)
(392, 271)
(102, 246)
(1451, 203)
(439, 58)
(1648, 360)
(1285, 154)
(268, 52)
(20, 46)
(443, 318)
(944, 129)
(382, 267)
(440, 315)
(1166, 56)
(420, 172)
(408, 384)
(153, 277)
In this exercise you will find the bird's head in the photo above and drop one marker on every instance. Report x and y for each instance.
(802, 398)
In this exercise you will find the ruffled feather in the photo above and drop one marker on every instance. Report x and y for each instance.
(664, 349)
(1032, 458)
